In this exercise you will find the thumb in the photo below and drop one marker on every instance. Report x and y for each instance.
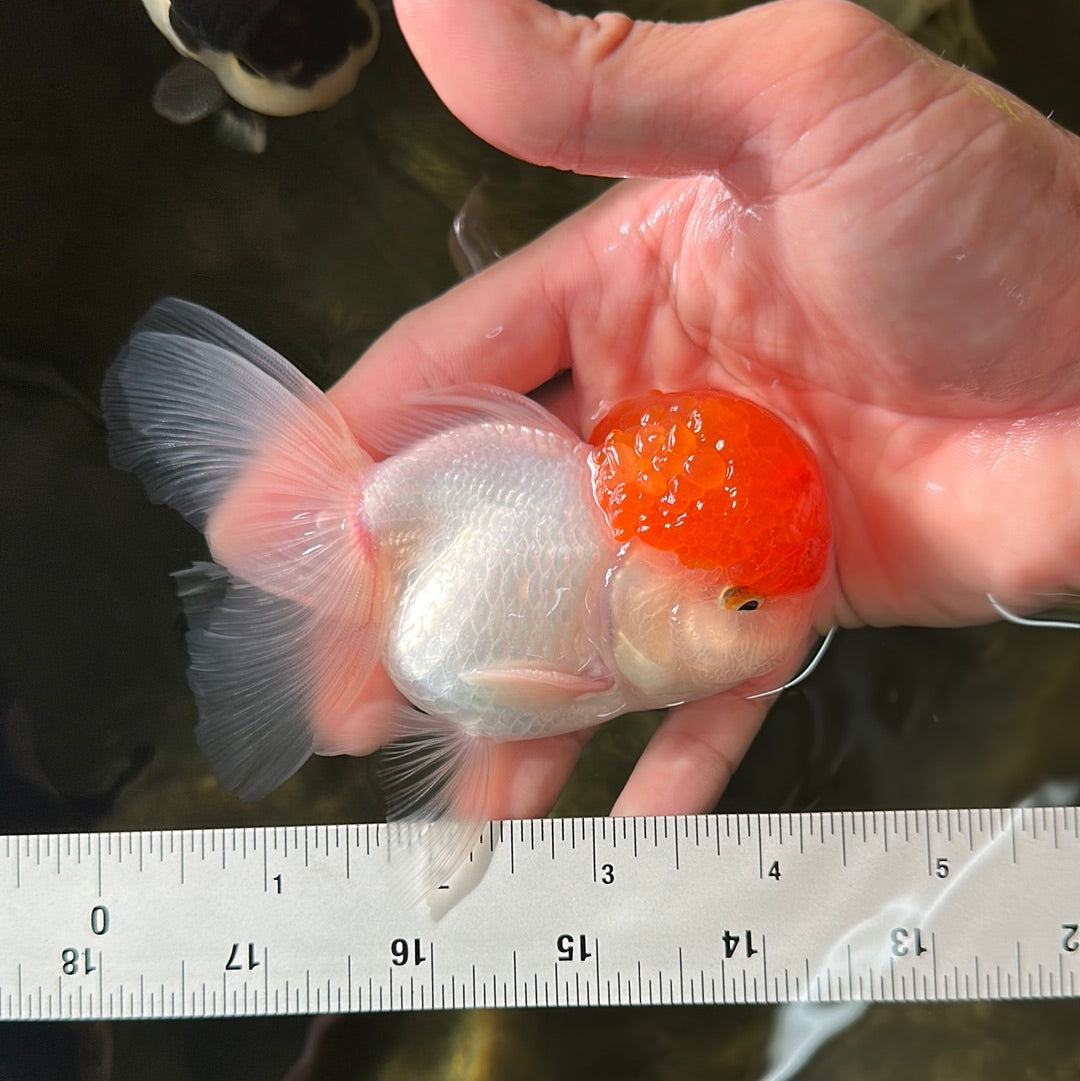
(614, 97)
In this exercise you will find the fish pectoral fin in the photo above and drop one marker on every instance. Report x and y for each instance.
(437, 782)
(188, 92)
(530, 685)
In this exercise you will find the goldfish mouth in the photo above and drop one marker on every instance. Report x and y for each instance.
(679, 634)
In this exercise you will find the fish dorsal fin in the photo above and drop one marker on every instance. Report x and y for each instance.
(424, 413)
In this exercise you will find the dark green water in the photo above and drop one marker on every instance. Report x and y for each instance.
(317, 246)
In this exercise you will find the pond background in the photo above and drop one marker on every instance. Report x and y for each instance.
(317, 246)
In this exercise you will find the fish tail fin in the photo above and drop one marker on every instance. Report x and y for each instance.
(437, 784)
(228, 433)
(263, 671)
(249, 451)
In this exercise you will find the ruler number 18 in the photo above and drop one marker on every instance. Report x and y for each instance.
(73, 961)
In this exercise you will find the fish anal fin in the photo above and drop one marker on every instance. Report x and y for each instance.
(437, 784)
(532, 685)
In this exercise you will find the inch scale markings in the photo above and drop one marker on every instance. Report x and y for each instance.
(829, 906)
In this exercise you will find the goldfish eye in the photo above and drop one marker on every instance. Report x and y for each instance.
(739, 599)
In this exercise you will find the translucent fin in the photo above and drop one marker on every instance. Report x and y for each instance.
(198, 409)
(425, 413)
(241, 129)
(437, 781)
(529, 685)
(187, 93)
(260, 666)
(471, 243)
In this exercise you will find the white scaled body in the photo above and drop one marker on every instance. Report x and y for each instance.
(495, 620)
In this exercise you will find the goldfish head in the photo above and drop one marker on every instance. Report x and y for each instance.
(275, 57)
(722, 514)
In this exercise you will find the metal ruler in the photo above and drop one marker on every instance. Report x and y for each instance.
(822, 907)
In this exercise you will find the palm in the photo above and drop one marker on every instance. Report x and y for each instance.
(904, 358)
(872, 243)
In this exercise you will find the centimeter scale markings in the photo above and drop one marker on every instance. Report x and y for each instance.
(818, 907)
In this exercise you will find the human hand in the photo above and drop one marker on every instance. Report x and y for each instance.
(876, 245)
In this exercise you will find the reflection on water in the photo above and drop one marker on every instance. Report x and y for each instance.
(317, 246)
